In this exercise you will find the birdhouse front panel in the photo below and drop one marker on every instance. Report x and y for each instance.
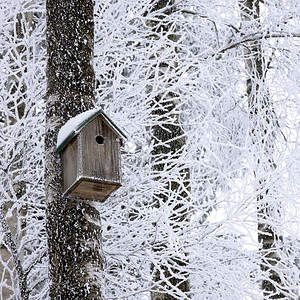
(100, 151)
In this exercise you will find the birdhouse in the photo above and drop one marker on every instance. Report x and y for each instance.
(90, 154)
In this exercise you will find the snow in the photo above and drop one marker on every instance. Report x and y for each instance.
(74, 125)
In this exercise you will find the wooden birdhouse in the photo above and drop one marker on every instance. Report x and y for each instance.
(90, 154)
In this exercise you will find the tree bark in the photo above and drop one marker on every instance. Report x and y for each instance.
(73, 225)
(263, 134)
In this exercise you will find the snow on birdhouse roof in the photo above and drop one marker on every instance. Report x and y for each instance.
(74, 125)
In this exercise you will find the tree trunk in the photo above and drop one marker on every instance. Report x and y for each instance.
(73, 225)
(263, 134)
(170, 276)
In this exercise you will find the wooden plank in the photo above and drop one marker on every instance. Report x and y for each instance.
(100, 160)
(98, 191)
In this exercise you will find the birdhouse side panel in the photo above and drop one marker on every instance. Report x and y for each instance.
(100, 151)
(69, 158)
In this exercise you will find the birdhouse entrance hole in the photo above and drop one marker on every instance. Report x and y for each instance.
(100, 139)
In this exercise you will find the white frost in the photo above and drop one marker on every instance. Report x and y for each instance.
(73, 125)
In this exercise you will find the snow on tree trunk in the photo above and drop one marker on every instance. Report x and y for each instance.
(73, 226)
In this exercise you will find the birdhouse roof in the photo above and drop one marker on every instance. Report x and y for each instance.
(74, 125)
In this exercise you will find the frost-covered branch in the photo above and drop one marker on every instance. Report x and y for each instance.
(12, 246)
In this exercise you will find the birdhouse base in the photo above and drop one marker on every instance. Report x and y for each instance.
(88, 188)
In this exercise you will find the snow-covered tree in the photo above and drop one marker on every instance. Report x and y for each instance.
(209, 79)
(23, 243)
